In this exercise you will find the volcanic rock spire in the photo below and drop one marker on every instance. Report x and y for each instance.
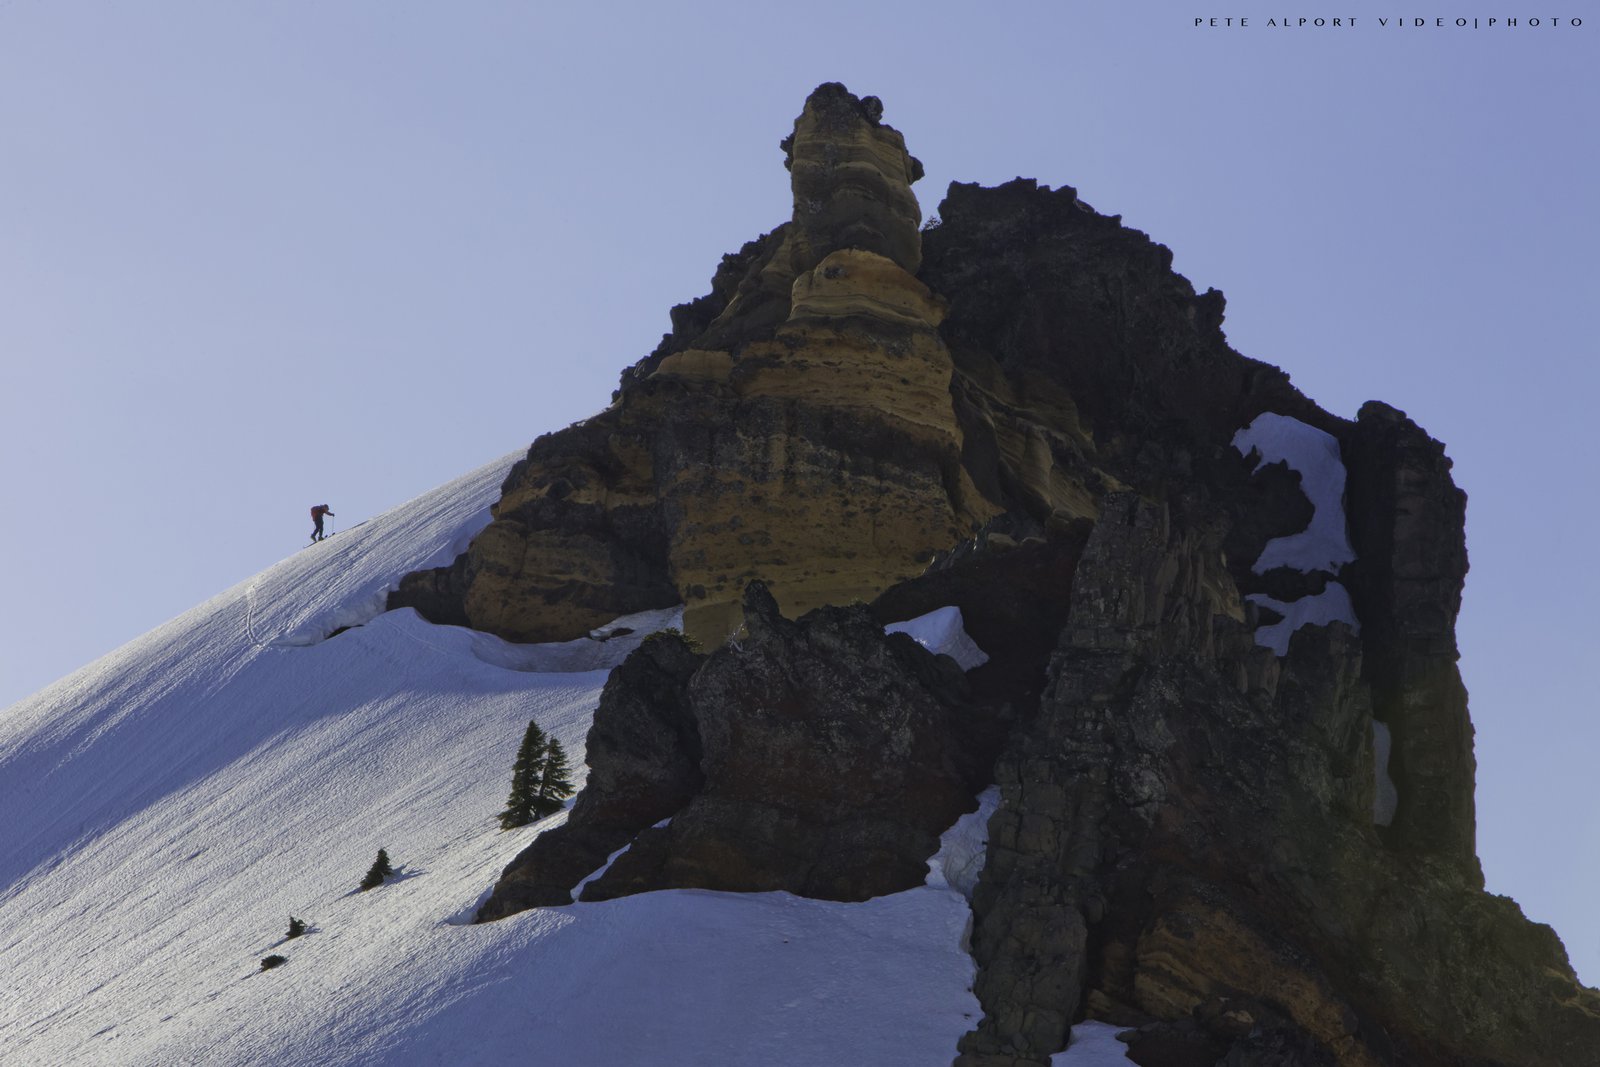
(797, 426)
(852, 179)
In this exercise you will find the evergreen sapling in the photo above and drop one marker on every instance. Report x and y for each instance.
(379, 870)
(525, 775)
(554, 786)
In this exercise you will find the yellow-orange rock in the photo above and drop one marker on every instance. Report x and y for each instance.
(840, 473)
(852, 179)
(806, 436)
(696, 364)
(1197, 953)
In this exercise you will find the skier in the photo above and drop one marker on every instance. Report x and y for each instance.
(316, 517)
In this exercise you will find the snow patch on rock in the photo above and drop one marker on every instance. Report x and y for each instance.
(943, 632)
(1093, 1044)
(596, 652)
(1386, 799)
(1330, 605)
(1324, 544)
(962, 848)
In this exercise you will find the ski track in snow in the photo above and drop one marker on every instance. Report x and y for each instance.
(171, 805)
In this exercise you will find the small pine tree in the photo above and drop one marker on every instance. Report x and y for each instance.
(379, 870)
(554, 787)
(269, 962)
(526, 773)
(296, 927)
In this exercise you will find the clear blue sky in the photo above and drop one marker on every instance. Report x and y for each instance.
(256, 256)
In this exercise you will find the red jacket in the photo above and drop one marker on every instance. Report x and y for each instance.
(319, 511)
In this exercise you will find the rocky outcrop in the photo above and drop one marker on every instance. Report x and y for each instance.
(1186, 834)
(1409, 522)
(1246, 837)
(852, 179)
(643, 753)
(797, 426)
(821, 757)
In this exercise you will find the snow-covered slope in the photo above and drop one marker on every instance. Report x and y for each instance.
(168, 808)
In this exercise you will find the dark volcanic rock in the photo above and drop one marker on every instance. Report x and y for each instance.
(1189, 820)
(1013, 583)
(745, 278)
(821, 757)
(1088, 317)
(1184, 1043)
(834, 757)
(643, 753)
(1408, 523)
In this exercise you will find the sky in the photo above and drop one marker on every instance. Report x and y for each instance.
(258, 256)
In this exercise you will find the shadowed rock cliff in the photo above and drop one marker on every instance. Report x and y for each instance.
(820, 757)
(1222, 704)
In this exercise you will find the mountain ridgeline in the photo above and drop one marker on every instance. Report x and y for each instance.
(1221, 706)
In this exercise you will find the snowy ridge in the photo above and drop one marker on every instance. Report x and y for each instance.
(171, 805)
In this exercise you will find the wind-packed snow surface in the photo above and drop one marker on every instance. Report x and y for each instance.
(169, 807)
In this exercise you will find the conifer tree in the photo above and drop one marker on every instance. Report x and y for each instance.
(526, 774)
(554, 786)
(379, 870)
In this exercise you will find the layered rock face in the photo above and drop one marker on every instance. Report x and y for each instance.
(1222, 704)
(796, 426)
